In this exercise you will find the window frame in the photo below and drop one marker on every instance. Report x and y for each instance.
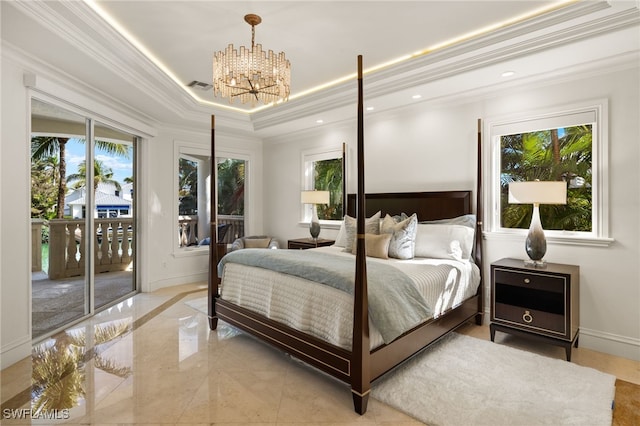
(310, 156)
(547, 118)
(190, 151)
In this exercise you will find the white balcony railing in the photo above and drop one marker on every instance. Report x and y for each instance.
(113, 241)
(188, 229)
(113, 251)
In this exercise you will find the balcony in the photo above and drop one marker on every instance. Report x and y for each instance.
(58, 288)
(58, 283)
(188, 229)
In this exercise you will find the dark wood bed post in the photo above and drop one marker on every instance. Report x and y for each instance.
(360, 353)
(344, 178)
(478, 247)
(212, 284)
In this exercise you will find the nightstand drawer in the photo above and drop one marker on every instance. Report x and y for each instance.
(530, 280)
(533, 319)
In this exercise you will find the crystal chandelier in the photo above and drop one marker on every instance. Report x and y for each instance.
(251, 74)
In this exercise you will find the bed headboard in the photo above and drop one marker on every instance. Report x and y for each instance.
(427, 205)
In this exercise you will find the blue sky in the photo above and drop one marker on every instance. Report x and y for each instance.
(75, 154)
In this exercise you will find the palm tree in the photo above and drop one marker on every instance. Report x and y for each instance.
(101, 174)
(328, 177)
(231, 178)
(47, 146)
(44, 178)
(187, 186)
(545, 155)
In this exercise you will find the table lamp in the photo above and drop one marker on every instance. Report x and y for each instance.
(314, 197)
(536, 193)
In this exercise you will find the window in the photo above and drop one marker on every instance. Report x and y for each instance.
(193, 177)
(569, 146)
(232, 178)
(324, 171)
(193, 190)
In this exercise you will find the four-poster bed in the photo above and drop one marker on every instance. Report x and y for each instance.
(365, 358)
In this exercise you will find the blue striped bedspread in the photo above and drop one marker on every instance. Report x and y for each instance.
(395, 305)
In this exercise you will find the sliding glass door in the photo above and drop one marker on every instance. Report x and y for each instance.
(82, 214)
(114, 225)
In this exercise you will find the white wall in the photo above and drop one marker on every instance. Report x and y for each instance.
(432, 147)
(15, 284)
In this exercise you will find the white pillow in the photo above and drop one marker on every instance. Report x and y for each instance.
(444, 241)
(341, 239)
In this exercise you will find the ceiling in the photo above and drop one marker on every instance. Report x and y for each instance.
(321, 39)
(144, 53)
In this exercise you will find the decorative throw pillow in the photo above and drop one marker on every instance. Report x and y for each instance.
(403, 236)
(256, 242)
(444, 241)
(375, 245)
(371, 226)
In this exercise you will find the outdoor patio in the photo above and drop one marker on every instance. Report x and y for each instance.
(58, 302)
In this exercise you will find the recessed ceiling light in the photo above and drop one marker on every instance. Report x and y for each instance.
(370, 108)
(319, 121)
(416, 96)
(508, 73)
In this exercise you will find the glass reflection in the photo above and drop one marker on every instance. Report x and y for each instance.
(59, 364)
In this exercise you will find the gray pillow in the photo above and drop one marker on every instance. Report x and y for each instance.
(464, 220)
(403, 239)
(371, 226)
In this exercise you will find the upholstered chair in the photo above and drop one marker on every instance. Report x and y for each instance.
(255, 241)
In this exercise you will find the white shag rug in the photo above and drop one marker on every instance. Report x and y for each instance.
(466, 381)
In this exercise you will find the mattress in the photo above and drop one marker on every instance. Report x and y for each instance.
(326, 312)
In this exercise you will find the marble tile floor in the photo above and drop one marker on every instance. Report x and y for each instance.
(152, 360)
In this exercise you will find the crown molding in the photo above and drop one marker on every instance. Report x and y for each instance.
(562, 27)
(79, 25)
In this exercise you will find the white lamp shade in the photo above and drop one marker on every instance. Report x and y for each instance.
(314, 197)
(538, 192)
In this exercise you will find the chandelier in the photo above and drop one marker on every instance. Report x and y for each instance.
(251, 74)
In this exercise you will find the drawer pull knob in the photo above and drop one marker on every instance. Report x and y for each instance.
(527, 280)
(526, 317)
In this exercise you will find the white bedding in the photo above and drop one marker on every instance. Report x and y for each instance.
(326, 312)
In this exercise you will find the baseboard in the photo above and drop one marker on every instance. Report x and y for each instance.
(613, 344)
(182, 279)
(15, 352)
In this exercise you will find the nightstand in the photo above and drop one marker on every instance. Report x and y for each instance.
(539, 303)
(307, 243)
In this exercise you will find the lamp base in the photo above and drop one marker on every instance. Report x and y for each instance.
(535, 244)
(535, 263)
(314, 230)
(314, 226)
